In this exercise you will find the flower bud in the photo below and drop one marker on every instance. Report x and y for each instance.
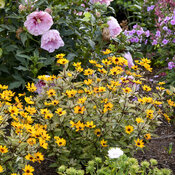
(98, 160)
(62, 168)
(80, 172)
(153, 162)
(71, 171)
(91, 163)
(133, 161)
(145, 164)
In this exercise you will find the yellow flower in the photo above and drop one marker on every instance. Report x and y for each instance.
(13, 110)
(79, 110)
(127, 90)
(31, 87)
(39, 157)
(149, 113)
(51, 92)
(79, 126)
(102, 71)
(129, 129)
(62, 61)
(108, 107)
(71, 93)
(160, 88)
(146, 88)
(107, 51)
(90, 124)
(31, 141)
(81, 100)
(30, 158)
(116, 70)
(167, 117)
(3, 149)
(88, 71)
(61, 55)
(1, 169)
(88, 82)
(60, 141)
(60, 112)
(92, 61)
(28, 170)
(139, 143)
(103, 143)
(55, 102)
(28, 100)
(3, 87)
(161, 83)
(147, 136)
(97, 132)
(72, 124)
(106, 62)
(139, 120)
(48, 116)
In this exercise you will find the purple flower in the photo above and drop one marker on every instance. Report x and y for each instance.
(51, 40)
(157, 34)
(140, 32)
(147, 33)
(165, 41)
(128, 56)
(114, 27)
(173, 22)
(174, 40)
(171, 65)
(150, 8)
(38, 23)
(136, 39)
(154, 42)
(135, 26)
(165, 28)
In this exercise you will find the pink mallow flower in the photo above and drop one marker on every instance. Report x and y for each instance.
(51, 40)
(107, 2)
(128, 56)
(38, 23)
(114, 27)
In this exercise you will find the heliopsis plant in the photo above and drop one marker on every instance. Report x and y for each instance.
(77, 119)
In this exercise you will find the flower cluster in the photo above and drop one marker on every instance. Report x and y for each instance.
(39, 23)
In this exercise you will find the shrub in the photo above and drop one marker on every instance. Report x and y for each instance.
(74, 121)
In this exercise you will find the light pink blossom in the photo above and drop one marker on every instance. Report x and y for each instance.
(114, 27)
(51, 40)
(129, 58)
(107, 2)
(38, 23)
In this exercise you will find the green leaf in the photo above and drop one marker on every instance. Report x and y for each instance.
(15, 84)
(23, 38)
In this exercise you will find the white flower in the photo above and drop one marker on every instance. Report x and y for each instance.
(115, 153)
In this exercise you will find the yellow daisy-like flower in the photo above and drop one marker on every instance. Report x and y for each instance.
(31, 87)
(62, 61)
(79, 126)
(31, 141)
(146, 88)
(127, 90)
(51, 92)
(147, 136)
(93, 61)
(129, 129)
(81, 100)
(97, 132)
(139, 143)
(71, 93)
(149, 114)
(107, 51)
(90, 124)
(28, 170)
(139, 120)
(79, 110)
(39, 157)
(30, 157)
(116, 70)
(3, 149)
(88, 71)
(61, 55)
(103, 143)
(60, 112)
(60, 141)
(1, 169)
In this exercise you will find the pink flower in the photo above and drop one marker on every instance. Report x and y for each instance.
(107, 2)
(38, 23)
(51, 40)
(129, 58)
(114, 27)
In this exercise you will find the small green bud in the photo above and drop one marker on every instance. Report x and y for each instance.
(145, 164)
(80, 172)
(89, 169)
(133, 161)
(71, 171)
(153, 162)
(166, 171)
(98, 160)
(156, 171)
(134, 168)
(126, 163)
(62, 168)
(91, 163)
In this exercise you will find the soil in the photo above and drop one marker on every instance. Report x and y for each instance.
(158, 148)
